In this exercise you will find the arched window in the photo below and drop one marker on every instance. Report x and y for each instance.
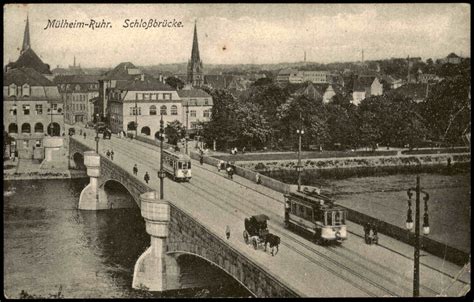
(13, 128)
(152, 110)
(39, 128)
(131, 126)
(146, 130)
(25, 128)
(163, 110)
(174, 110)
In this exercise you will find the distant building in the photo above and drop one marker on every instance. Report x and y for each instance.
(323, 92)
(364, 87)
(195, 68)
(217, 81)
(32, 108)
(283, 76)
(78, 93)
(138, 104)
(452, 58)
(315, 77)
(428, 78)
(123, 72)
(72, 70)
(416, 92)
(389, 82)
(196, 106)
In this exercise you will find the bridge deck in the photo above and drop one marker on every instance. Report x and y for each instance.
(352, 269)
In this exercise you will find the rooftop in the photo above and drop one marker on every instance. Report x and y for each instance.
(30, 76)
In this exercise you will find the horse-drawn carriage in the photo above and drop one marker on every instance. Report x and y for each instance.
(256, 232)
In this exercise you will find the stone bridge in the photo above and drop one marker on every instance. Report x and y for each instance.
(173, 232)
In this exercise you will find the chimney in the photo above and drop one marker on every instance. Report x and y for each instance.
(142, 77)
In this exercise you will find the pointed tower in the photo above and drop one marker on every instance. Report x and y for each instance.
(195, 69)
(26, 37)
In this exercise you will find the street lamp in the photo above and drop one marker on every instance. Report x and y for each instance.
(186, 129)
(97, 134)
(299, 167)
(426, 230)
(161, 173)
(136, 119)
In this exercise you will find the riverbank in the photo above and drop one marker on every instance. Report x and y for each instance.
(24, 169)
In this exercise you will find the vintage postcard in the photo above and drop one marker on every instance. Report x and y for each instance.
(236, 150)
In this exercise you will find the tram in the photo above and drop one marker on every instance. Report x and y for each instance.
(317, 214)
(177, 165)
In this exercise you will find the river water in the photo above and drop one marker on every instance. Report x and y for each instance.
(49, 246)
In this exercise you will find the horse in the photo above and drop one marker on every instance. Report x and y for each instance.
(273, 240)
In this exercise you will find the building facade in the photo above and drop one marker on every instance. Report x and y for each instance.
(196, 107)
(364, 87)
(77, 92)
(136, 106)
(32, 109)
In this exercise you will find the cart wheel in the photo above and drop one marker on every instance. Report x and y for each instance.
(246, 237)
(255, 244)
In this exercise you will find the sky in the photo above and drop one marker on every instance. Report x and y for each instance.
(240, 33)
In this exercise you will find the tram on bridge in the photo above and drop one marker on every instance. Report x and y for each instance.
(177, 165)
(317, 214)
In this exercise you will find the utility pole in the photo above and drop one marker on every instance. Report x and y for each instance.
(186, 129)
(136, 119)
(97, 135)
(299, 168)
(161, 173)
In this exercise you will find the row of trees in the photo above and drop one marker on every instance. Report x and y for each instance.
(269, 115)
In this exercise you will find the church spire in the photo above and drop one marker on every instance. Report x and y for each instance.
(26, 37)
(195, 50)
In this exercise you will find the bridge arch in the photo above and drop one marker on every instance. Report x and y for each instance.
(178, 253)
(78, 159)
(114, 190)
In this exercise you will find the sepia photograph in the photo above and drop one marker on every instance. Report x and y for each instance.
(236, 150)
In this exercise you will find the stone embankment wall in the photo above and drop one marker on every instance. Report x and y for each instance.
(356, 162)
(189, 236)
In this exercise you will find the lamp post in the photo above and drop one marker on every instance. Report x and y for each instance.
(186, 129)
(426, 230)
(161, 173)
(136, 119)
(97, 134)
(299, 167)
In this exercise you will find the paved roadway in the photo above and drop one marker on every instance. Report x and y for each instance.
(352, 269)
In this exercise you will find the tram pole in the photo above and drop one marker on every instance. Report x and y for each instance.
(426, 230)
(299, 168)
(161, 172)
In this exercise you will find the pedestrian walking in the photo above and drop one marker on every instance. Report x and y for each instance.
(135, 170)
(146, 177)
(366, 232)
(230, 172)
(201, 160)
(112, 155)
(258, 180)
(84, 135)
(375, 234)
(227, 231)
(108, 153)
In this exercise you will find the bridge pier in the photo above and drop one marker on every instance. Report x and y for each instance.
(154, 270)
(92, 197)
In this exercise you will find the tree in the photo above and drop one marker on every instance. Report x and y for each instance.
(174, 131)
(174, 82)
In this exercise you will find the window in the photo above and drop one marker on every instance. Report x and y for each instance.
(146, 96)
(25, 128)
(206, 102)
(167, 96)
(152, 109)
(139, 110)
(39, 109)
(26, 109)
(132, 111)
(207, 113)
(12, 90)
(26, 90)
(174, 110)
(54, 107)
(293, 208)
(38, 143)
(13, 110)
(154, 96)
(329, 218)
(12, 128)
(193, 113)
(78, 87)
(39, 128)
(139, 96)
(163, 110)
